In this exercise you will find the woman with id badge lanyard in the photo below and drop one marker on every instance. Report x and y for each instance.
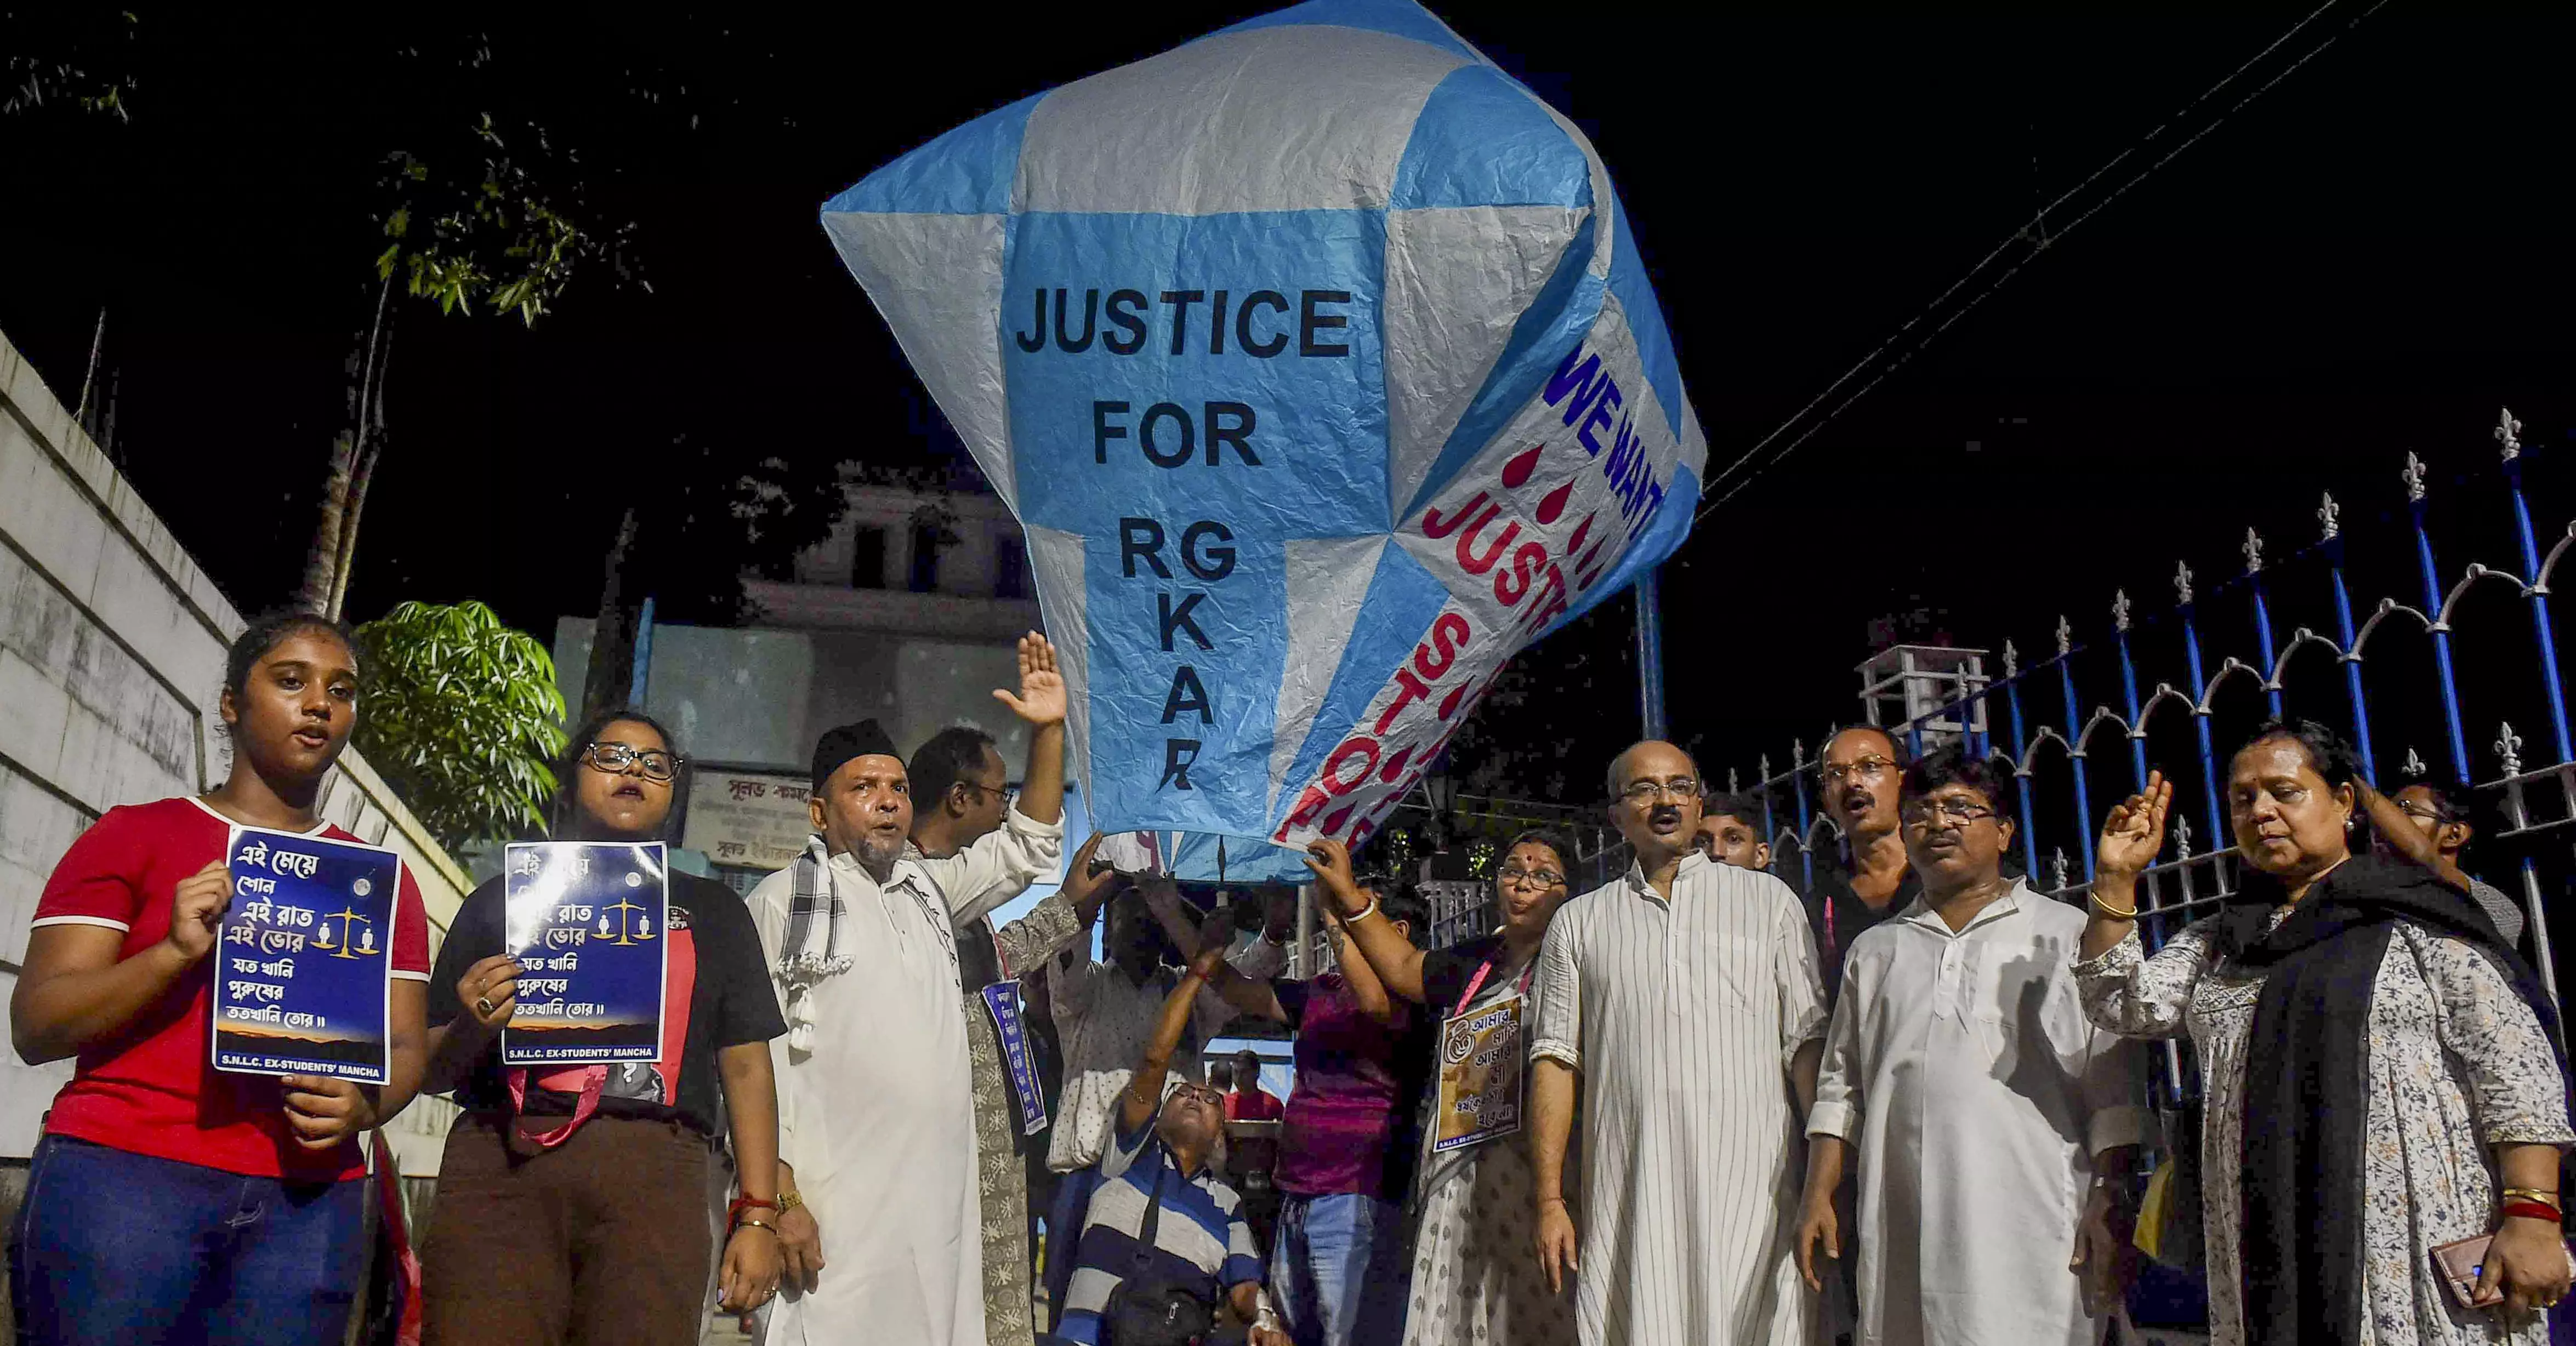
(1473, 1277)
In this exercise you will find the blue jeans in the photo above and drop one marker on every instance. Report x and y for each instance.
(1337, 1270)
(125, 1248)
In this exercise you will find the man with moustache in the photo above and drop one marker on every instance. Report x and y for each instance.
(1864, 878)
(1991, 1120)
(1685, 992)
(876, 1104)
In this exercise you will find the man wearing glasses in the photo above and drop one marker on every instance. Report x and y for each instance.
(1994, 1123)
(1685, 992)
(1863, 879)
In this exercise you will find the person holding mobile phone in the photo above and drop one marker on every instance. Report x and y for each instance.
(2378, 1068)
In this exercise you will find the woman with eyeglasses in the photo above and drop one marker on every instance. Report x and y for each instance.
(575, 1205)
(167, 1202)
(2377, 1079)
(1474, 1280)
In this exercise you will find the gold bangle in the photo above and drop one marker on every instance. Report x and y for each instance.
(747, 1222)
(2547, 1198)
(2111, 911)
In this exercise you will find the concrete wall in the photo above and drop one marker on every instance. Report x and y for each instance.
(111, 655)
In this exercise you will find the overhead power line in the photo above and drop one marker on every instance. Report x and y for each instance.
(2184, 129)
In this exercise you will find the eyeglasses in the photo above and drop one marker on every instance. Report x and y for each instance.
(2426, 816)
(1954, 811)
(1010, 793)
(1866, 769)
(1544, 878)
(1647, 791)
(613, 758)
(1200, 1093)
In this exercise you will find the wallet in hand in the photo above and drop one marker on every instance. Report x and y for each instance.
(2457, 1264)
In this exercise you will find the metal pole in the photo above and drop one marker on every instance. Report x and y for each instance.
(2262, 621)
(2414, 479)
(2021, 760)
(1650, 657)
(643, 655)
(2508, 432)
(2075, 745)
(2199, 709)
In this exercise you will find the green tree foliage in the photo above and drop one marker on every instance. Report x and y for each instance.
(461, 714)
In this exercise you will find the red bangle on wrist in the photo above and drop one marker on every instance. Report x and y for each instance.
(2531, 1210)
(733, 1213)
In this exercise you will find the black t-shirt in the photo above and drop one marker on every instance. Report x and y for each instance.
(730, 1003)
(1446, 972)
(1837, 914)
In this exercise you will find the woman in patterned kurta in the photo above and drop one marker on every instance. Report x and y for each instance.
(1474, 1281)
(2459, 1075)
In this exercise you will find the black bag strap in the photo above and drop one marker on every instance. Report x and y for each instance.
(1153, 1221)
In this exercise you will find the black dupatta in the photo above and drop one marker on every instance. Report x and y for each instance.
(2306, 1106)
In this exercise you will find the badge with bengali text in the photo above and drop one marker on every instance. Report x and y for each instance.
(303, 971)
(588, 922)
(1482, 1065)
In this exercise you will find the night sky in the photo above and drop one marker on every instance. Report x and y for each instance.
(2370, 259)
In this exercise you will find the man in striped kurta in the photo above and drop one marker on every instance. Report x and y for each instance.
(1685, 993)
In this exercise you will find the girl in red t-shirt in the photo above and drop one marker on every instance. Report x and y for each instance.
(167, 1202)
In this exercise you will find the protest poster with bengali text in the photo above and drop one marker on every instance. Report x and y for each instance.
(302, 962)
(588, 922)
(1482, 1059)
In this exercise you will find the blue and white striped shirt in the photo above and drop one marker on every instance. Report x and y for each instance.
(1200, 1234)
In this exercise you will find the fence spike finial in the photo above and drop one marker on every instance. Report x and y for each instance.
(2182, 580)
(2414, 764)
(1797, 753)
(2329, 514)
(2508, 432)
(2065, 637)
(2413, 476)
(2059, 867)
(1764, 766)
(2182, 837)
(2508, 746)
(2119, 609)
(1732, 786)
(2253, 550)
(2012, 659)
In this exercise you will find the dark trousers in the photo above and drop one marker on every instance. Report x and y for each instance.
(603, 1239)
(126, 1249)
(1064, 1232)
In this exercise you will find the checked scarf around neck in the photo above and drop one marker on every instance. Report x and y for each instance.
(811, 948)
(2307, 1078)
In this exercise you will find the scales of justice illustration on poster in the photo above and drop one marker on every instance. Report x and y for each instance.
(589, 923)
(302, 980)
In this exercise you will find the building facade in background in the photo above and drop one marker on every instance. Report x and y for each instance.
(111, 659)
(910, 613)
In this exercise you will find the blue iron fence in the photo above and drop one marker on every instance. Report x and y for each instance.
(2396, 678)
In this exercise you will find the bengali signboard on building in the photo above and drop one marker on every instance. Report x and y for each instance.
(748, 818)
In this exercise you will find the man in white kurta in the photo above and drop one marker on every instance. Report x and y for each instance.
(1686, 994)
(1962, 1070)
(876, 1103)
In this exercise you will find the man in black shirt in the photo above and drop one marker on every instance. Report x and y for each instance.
(1863, 879)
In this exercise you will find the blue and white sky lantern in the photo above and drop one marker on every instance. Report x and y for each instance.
(1317, 359)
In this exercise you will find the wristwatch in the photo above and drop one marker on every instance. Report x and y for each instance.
(788, 1201)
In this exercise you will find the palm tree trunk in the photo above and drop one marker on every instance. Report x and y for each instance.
(611, 674)
(363, 473)
(323, 584)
